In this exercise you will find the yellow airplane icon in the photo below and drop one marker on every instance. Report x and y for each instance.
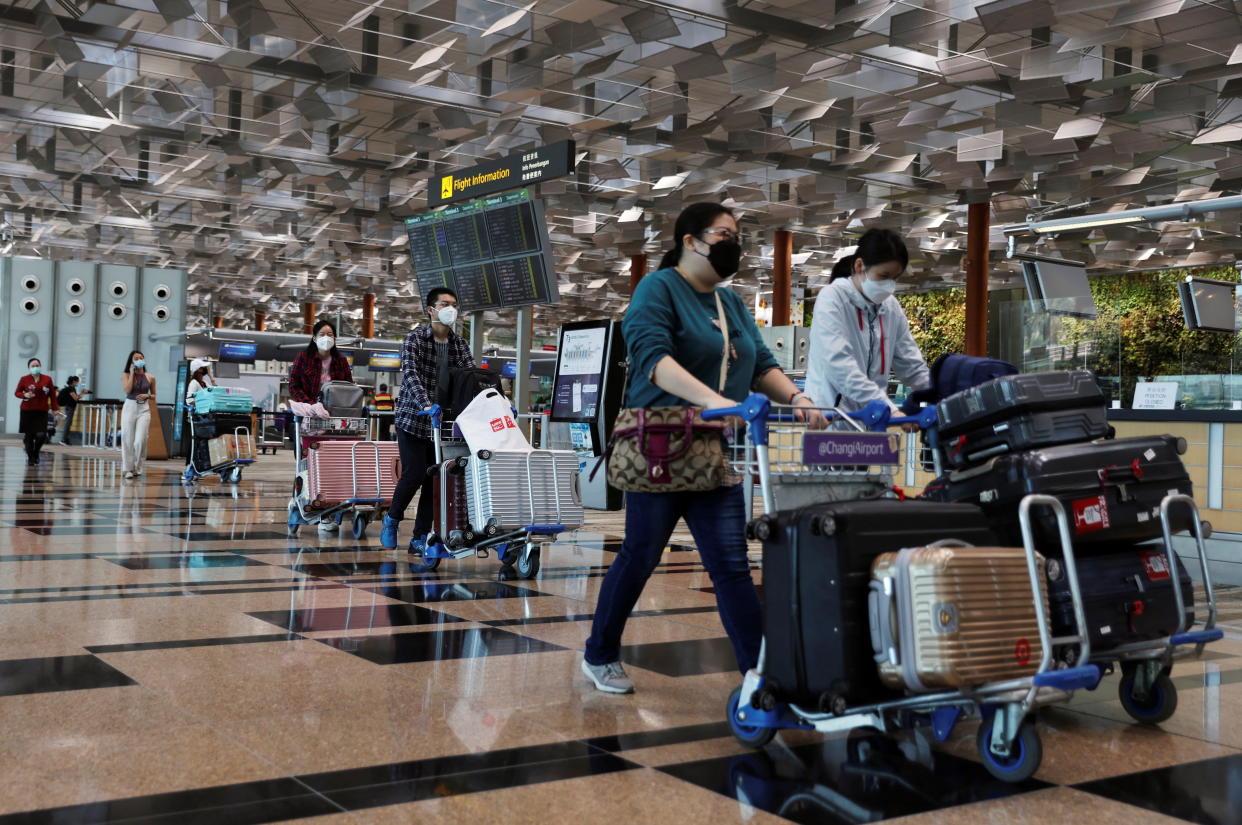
(446, 186)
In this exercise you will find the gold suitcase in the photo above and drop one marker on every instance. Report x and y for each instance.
(954, 617)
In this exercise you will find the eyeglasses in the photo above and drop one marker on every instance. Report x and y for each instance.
(443, 304)
(724, 234)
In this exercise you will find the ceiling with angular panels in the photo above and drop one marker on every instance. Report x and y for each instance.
(273, 147)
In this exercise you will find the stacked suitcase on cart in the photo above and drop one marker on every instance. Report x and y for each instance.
(1049, 433)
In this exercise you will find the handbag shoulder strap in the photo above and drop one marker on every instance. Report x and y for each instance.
(724, 331)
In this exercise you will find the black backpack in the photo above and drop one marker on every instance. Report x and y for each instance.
(464, 386)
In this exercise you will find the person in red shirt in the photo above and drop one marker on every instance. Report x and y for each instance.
(38, 395)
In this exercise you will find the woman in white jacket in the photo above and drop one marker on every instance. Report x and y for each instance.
(859, 333)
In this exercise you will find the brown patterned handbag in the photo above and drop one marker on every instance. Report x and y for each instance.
(670, 449)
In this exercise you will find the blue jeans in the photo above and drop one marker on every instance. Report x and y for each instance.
(717, 520)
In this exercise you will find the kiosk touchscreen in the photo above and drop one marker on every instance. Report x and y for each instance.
(580, 367)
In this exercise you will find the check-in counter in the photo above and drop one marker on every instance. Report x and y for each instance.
(1214, 461)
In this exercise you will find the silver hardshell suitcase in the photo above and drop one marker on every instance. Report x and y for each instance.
(510, 490)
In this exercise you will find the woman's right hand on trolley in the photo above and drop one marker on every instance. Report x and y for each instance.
(809, 414)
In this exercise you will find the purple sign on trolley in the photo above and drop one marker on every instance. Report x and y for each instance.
(856, 449)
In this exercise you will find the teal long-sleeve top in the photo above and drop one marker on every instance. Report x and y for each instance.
(667, 316)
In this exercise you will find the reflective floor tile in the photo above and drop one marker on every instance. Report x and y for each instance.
(56, 673)
(363, 615)
(439, 645)
(186, 561)
(452, 591)
(1208, 792)
(865, 777)
(683, 658)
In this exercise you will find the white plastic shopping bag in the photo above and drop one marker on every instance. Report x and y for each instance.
(488, 423)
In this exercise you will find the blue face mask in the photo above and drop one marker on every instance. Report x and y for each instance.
(140, 363)
(35, 371)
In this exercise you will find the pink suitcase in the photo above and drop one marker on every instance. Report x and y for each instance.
(338, 471)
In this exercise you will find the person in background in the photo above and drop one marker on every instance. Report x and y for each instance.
(139, 388)
(200, 379)
(38, 395)
(315, 366)
(859, 332)
(677, 349)
(318, 364)
(68, 399)
(428, 356)
(383, 402)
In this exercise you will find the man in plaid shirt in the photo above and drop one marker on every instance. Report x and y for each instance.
(429, 355)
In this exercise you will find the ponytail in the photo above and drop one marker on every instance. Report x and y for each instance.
(672, 256)
(843, 268)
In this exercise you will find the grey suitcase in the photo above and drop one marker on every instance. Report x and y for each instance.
(511, 490)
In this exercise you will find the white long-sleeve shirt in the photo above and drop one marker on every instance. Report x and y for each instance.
(855, 345)
(194, 386)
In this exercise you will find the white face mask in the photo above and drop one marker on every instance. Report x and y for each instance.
(877, 291)
(447, 316)
(325, 343)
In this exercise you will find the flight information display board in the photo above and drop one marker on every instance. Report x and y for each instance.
(493, 252)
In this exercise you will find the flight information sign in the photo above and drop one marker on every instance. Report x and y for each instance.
(521, 169)
(493, 252)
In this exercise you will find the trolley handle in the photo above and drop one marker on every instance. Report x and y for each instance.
(435, 413)
(755, 411)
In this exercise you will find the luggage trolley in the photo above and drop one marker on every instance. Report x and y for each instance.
(518, 551)
(366, 500)
(1009, 744)
(230, 471)
(1146, 691)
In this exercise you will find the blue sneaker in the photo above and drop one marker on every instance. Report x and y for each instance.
(418, 546)
(388, 535)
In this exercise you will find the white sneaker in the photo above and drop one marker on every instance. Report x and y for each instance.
(609, 678)
(328, 527)
(129, 474)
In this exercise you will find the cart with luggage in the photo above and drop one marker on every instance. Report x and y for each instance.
(339, 475)
(507, 502)
(220, 434)
(1126, 498)
(852, 588)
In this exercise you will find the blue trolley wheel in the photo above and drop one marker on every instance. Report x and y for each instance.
(1025, 754)
(360, 525)
(1158, 706)
(751, 737)
(527, 566)
(425, 564)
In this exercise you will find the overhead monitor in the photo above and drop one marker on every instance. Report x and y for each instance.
(580, 371)
(492, 252)
(1209, 305)
(238, 352)
(1060, 287)
(384, 362)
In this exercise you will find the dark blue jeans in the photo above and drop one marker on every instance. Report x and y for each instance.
(717, 520)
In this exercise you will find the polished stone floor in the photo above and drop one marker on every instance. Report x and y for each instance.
(168, 654)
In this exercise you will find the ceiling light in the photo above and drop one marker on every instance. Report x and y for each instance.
(1075, 224)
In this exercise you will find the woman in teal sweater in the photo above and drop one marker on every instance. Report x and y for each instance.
(675, 349)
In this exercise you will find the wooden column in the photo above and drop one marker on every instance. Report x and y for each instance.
(977, 230)
(368, 315)
(638, 268)
(782, 276)
(260, 320)
(309, 311)
(217, 321)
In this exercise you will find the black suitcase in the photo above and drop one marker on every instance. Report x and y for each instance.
(816, 575)
(1026, 432)
(1127, 597)
(1010, 396)
(220, 423)
(1111, 490)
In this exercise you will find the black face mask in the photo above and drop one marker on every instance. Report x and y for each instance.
(725, 257)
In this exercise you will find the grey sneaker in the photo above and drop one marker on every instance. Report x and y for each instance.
(609, 678)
